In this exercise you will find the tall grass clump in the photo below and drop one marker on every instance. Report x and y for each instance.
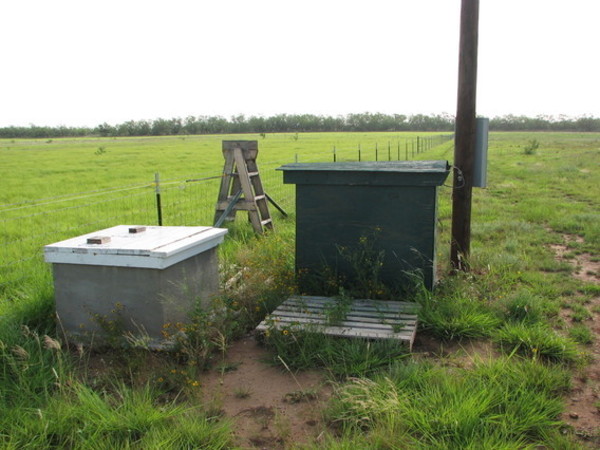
(523, 306)
(537, 341)
(340, 357)
(257, 271)
(495, 405)
(32, 366)
(456, 315)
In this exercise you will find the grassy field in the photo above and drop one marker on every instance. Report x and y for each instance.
(59, 188)
(533, 296)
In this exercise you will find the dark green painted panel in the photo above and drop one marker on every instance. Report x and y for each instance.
(329, 217)
(338, 203)
(385, 173)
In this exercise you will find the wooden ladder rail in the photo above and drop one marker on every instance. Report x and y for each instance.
(241, 187)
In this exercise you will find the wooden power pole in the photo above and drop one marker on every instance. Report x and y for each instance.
(464, 138)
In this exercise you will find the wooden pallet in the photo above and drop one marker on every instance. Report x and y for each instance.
(370, 319)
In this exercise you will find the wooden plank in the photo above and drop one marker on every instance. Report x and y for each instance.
(247, 187)
(307, 318)
(370, 319)
(365, 311)
(241, 205)
(365, 317)
(355, 307)
(352, 332)
(382, 304)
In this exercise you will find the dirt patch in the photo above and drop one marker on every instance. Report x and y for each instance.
(583, 402)
(585, 268)
(463, 354)
(270, 407)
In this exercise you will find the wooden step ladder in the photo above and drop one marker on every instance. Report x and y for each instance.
(241, 187)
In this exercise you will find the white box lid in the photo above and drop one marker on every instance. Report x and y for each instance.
(155, 247)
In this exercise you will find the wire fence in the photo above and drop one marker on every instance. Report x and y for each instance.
(26, 227)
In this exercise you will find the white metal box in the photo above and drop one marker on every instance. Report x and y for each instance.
(133, 279)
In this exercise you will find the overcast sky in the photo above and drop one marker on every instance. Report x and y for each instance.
(85, 62)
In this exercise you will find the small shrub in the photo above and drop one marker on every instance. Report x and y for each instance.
(207, 333)
(531, 147)
(242, 392)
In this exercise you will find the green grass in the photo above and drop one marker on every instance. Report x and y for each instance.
(340, 358)
(537, 341)
(513, 297)
(504, 403)
(78, 417)
(581, 334)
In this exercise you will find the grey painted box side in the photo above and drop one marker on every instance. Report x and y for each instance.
(140, 299)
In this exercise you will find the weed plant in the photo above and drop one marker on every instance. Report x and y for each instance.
(258, 272)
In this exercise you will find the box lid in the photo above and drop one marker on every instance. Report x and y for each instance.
(375, 173)
(135, 246)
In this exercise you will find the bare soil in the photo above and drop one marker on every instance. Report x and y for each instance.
(271, 408)
(463, 354)
(584, 268)
(583, 402)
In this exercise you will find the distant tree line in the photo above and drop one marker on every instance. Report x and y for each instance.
(285, 123)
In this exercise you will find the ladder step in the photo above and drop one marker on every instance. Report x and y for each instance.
(265, 222)
(259, 197)
(250, 174)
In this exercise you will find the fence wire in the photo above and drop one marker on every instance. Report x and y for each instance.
(26, 227)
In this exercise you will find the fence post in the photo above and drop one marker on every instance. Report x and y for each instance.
(334, 155)
(376, 152)
(158, 203)
(389, 151)
(359, 153)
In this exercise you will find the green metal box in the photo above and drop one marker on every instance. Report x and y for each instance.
(338, 204)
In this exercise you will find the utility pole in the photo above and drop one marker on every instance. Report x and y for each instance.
(464, 137)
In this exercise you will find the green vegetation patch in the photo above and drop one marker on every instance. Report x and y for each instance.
(506, 403)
